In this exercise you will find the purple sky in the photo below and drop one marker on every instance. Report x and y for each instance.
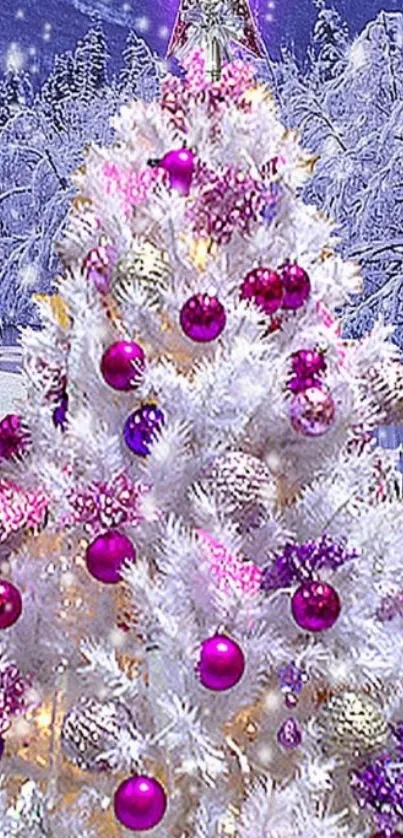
(35, 30)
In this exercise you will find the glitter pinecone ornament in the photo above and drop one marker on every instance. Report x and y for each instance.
(384, 383)
(243, 487)
(143, 264)
(353, 723)
(90, 730)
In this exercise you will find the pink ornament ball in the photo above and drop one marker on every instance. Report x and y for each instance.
(14, 438)
(140, 802)
(297, 285)
(106, 555)
(122, 364)
(264, 287)
(10, 604)
(221, 663)
(312, 411)
(203, 318)
(179, 165)
(315, 606)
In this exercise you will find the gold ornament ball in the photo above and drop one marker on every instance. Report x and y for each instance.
(352, 722)
(144, 264)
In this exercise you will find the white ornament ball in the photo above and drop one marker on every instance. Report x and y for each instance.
(90, 729)
(242, 487)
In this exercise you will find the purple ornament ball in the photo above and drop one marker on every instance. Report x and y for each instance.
(289, 734)
(179, 165)
(98, 266)
(10, 604)
(106, 555)
(297, 286)
(141, 427)
(315, 606)
(2, 746)
(122, 364)
(60, 413)
(221, 663)
(386, 835)
(264, 287)
(140, 802)
(203, 318)
(14, 438)
(312, 411)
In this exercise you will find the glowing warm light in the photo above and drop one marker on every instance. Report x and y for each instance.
(44, 718)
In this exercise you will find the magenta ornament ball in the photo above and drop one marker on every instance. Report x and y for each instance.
(179, 165)
(264, 286)
(106, 555)
(14, 437)
(386, 835)
(203, 318)
(315, 606)
(221, 663)
(10, 604)
(297, 286)
(308, 362)
(312, 411)
(122, 364)
(140, 802)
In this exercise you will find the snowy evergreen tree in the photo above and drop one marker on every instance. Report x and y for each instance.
(90, 60)
(17, 90)
(330, 41)
(139, 77)
(5, 110)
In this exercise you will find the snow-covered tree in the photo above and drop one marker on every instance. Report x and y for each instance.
(40, 146)
(90, 63)
(330, 40)
(15, 90)
(203, 587)
(352, 123)
(139, 77)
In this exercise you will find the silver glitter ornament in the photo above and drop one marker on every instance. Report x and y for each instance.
(90, 729)
(384, 385)
(352, 722)
(243, 487)
(145, 264)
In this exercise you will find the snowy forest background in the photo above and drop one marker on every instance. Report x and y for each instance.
(346, 99)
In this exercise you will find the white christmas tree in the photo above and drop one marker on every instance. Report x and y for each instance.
(201, 593)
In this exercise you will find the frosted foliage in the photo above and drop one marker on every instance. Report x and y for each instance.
(348, 106)
(43, 138)
(137, 643)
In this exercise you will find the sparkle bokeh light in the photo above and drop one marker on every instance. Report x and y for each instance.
(39, 29)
